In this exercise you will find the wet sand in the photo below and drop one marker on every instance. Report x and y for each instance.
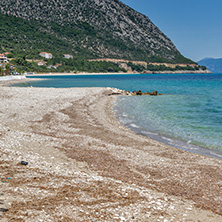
(83, 165)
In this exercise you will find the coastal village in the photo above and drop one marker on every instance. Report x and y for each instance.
(12, 65)
(8, 68)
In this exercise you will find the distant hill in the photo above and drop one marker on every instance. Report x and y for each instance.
(87, 29)
(214, 65)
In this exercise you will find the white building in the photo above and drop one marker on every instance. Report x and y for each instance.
(3, 58)
(46, 55)
(68, 56)
(41, 64)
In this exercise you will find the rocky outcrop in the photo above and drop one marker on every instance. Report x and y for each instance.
(114, 91)
(140, 93)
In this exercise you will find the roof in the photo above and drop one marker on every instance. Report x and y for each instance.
(57, 65)
(40, 63)
(45, 53)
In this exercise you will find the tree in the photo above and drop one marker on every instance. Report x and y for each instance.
(1, 70)
(20, 70)
(7, 68)
(20, 61)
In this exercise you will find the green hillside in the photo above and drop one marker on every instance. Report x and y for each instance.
(29, 38)
(86, 29)
(92, 29)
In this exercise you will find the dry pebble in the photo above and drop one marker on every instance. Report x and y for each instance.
(58, 132)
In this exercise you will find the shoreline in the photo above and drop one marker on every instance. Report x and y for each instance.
(81, 74)
(176, 143)
(173, 142)
(85, 165)
(120, 73)
(9, 82)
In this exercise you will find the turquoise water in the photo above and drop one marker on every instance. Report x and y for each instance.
(188, 115)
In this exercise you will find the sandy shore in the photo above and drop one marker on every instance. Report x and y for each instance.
(84, 166)
(82, 74)
(121, 73)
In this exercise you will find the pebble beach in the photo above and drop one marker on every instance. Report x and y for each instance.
(83, 165)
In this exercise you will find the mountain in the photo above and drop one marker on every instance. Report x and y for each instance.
(214, 65)
(89, 29)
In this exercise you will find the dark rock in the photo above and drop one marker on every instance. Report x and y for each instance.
(139, 93)
(114, 93)
(24, 163)
(154, 93)
(3, 209)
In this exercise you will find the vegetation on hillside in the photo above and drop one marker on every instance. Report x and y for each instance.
(60, 64)
(86, 29)
(29, 38)
(160, 68)
(65, 65)
(26, 39)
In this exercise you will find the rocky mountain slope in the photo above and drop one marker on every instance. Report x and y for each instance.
(100, 28)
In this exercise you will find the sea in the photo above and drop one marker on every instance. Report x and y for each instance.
(188, 115)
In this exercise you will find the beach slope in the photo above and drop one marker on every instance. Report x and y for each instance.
(83, 165)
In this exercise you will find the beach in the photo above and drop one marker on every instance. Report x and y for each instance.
(83, 165)
(118, 73)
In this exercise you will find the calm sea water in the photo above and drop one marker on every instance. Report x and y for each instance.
(188, 115)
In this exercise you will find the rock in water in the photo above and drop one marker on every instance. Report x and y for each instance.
(154, 93)
(139, 93)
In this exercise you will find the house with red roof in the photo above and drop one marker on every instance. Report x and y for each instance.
(46, 55)
(6, 53)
